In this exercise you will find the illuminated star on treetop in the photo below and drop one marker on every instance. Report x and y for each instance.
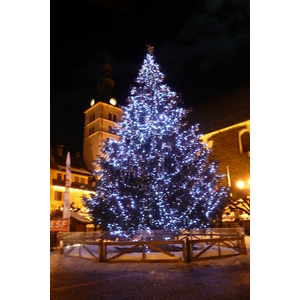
(150, 49)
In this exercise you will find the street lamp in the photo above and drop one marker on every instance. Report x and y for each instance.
(240, 184)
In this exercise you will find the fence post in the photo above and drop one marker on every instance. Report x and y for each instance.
(188, 251)
(62, 247)
(51, 241)
(243, 244)
(143, 248)
(100, 251)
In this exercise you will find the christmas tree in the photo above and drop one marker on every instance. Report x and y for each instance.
(158, 174)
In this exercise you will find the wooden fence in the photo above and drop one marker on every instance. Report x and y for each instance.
(65, 250)
(233, 245)
(162, 247)
(195, 246)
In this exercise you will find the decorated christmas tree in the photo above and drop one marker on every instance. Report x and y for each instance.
(158, 174)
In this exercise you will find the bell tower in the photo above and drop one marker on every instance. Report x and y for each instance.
(100, 117)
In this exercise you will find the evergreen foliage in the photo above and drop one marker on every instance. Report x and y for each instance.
(158, 174)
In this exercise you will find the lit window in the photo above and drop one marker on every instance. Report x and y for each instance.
(110, 116)
(82, 180)
(76, 179)
(58, 196)
(245, 141)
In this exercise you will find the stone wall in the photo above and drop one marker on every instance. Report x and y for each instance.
(226, 150)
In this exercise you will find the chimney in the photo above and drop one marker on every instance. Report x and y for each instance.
(77, 154)
(59, 149)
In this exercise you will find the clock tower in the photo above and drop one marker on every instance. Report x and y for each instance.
(100, 117)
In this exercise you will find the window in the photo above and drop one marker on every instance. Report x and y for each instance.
(76, 179)
(59, 176)
(82, 180)
(244, 141)
(90, 131)
(58, 196)
(115, 118)
(109, 128)
(93, 129)
(110, 116)
(92, 117)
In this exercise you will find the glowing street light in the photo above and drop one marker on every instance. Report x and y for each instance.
(240, 184)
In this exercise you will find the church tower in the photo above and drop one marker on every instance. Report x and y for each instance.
(100, 117)
(105, 84)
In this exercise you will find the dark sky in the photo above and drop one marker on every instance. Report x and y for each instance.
(203, 48)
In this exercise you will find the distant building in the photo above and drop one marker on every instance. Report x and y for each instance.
(225, 125)
(81, 181)
(100, 118)
(77, 221)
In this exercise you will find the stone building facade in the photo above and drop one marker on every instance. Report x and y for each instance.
(225, 125)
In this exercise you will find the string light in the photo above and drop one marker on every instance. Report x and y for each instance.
(158, 174)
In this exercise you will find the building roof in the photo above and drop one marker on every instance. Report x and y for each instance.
(74, 215)
(223, 111)
(80, 218)
(58, 162)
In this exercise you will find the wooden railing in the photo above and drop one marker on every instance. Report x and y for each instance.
(187, 247)
(84, 244)
(145, 254)
(75, 185)
(235, 243)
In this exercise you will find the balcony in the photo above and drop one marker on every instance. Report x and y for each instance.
(74, 185)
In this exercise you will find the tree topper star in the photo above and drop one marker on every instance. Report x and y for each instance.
(150, 49)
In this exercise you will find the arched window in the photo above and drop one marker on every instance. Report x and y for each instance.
(115, 118)
(110, 116)
(245, 142)
(109, 128)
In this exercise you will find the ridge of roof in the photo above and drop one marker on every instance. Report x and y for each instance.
(222, 111)
(73, 214)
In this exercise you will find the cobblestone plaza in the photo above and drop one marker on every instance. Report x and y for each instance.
(78, 278)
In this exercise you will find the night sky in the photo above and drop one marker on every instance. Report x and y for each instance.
(203, 48)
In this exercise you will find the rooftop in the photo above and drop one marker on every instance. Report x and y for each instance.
(223, 111)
